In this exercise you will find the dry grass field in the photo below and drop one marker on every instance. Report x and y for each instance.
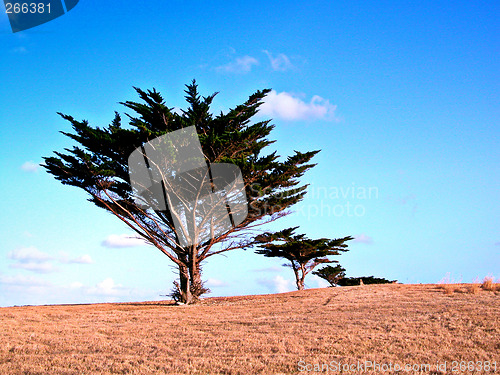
(386, 325)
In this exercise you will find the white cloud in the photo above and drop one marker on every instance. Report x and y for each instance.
(28, 255)
(289, 107)
(30, 166)
(240, 65)
(64, 257)
(31, 259)
(280, 62)
(22, 280)
(363, 238)
(122, 240)
(321, 283)
(76, 285)
(84, 259)
(38, 267)
(34, 290)
(278, 284)
(268, 269)
(281, 284)
(107, 287)
(211, 283)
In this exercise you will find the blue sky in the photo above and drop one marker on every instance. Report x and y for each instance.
(400, 97)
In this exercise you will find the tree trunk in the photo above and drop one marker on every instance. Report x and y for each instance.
(300, 283)
(195, 273)
(195, 280)
(300, 279)
(190, 286)
(184, 286)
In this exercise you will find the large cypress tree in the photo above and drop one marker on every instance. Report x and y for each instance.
(99, 165)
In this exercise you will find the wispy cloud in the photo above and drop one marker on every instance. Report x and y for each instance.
(268, 269)
(278, 284)
(30, 166)
(34, 260)
(28, 254)
(22, 280)
(279, 62)
(76, 285)
(281, 284)
(122, 240)
(22, 289)
(82, 259)
(363, 238)
(214, 283)
(321, 283)
(38, 267)
(107, 287)
(240, 65)
(290, 107)
(31, 259)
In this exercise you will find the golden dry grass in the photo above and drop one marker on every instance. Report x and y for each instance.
(268, 334)
(489, 284)
(449, 286)
(474, 288)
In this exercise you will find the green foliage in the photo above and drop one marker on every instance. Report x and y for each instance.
(331, 274)
(298, 248)
(351, 281)
(98, 164)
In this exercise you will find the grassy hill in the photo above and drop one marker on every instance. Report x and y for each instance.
(385, 325)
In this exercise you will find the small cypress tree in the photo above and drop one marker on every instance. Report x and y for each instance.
(331, 274)
(304, 254)
(352, 281)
